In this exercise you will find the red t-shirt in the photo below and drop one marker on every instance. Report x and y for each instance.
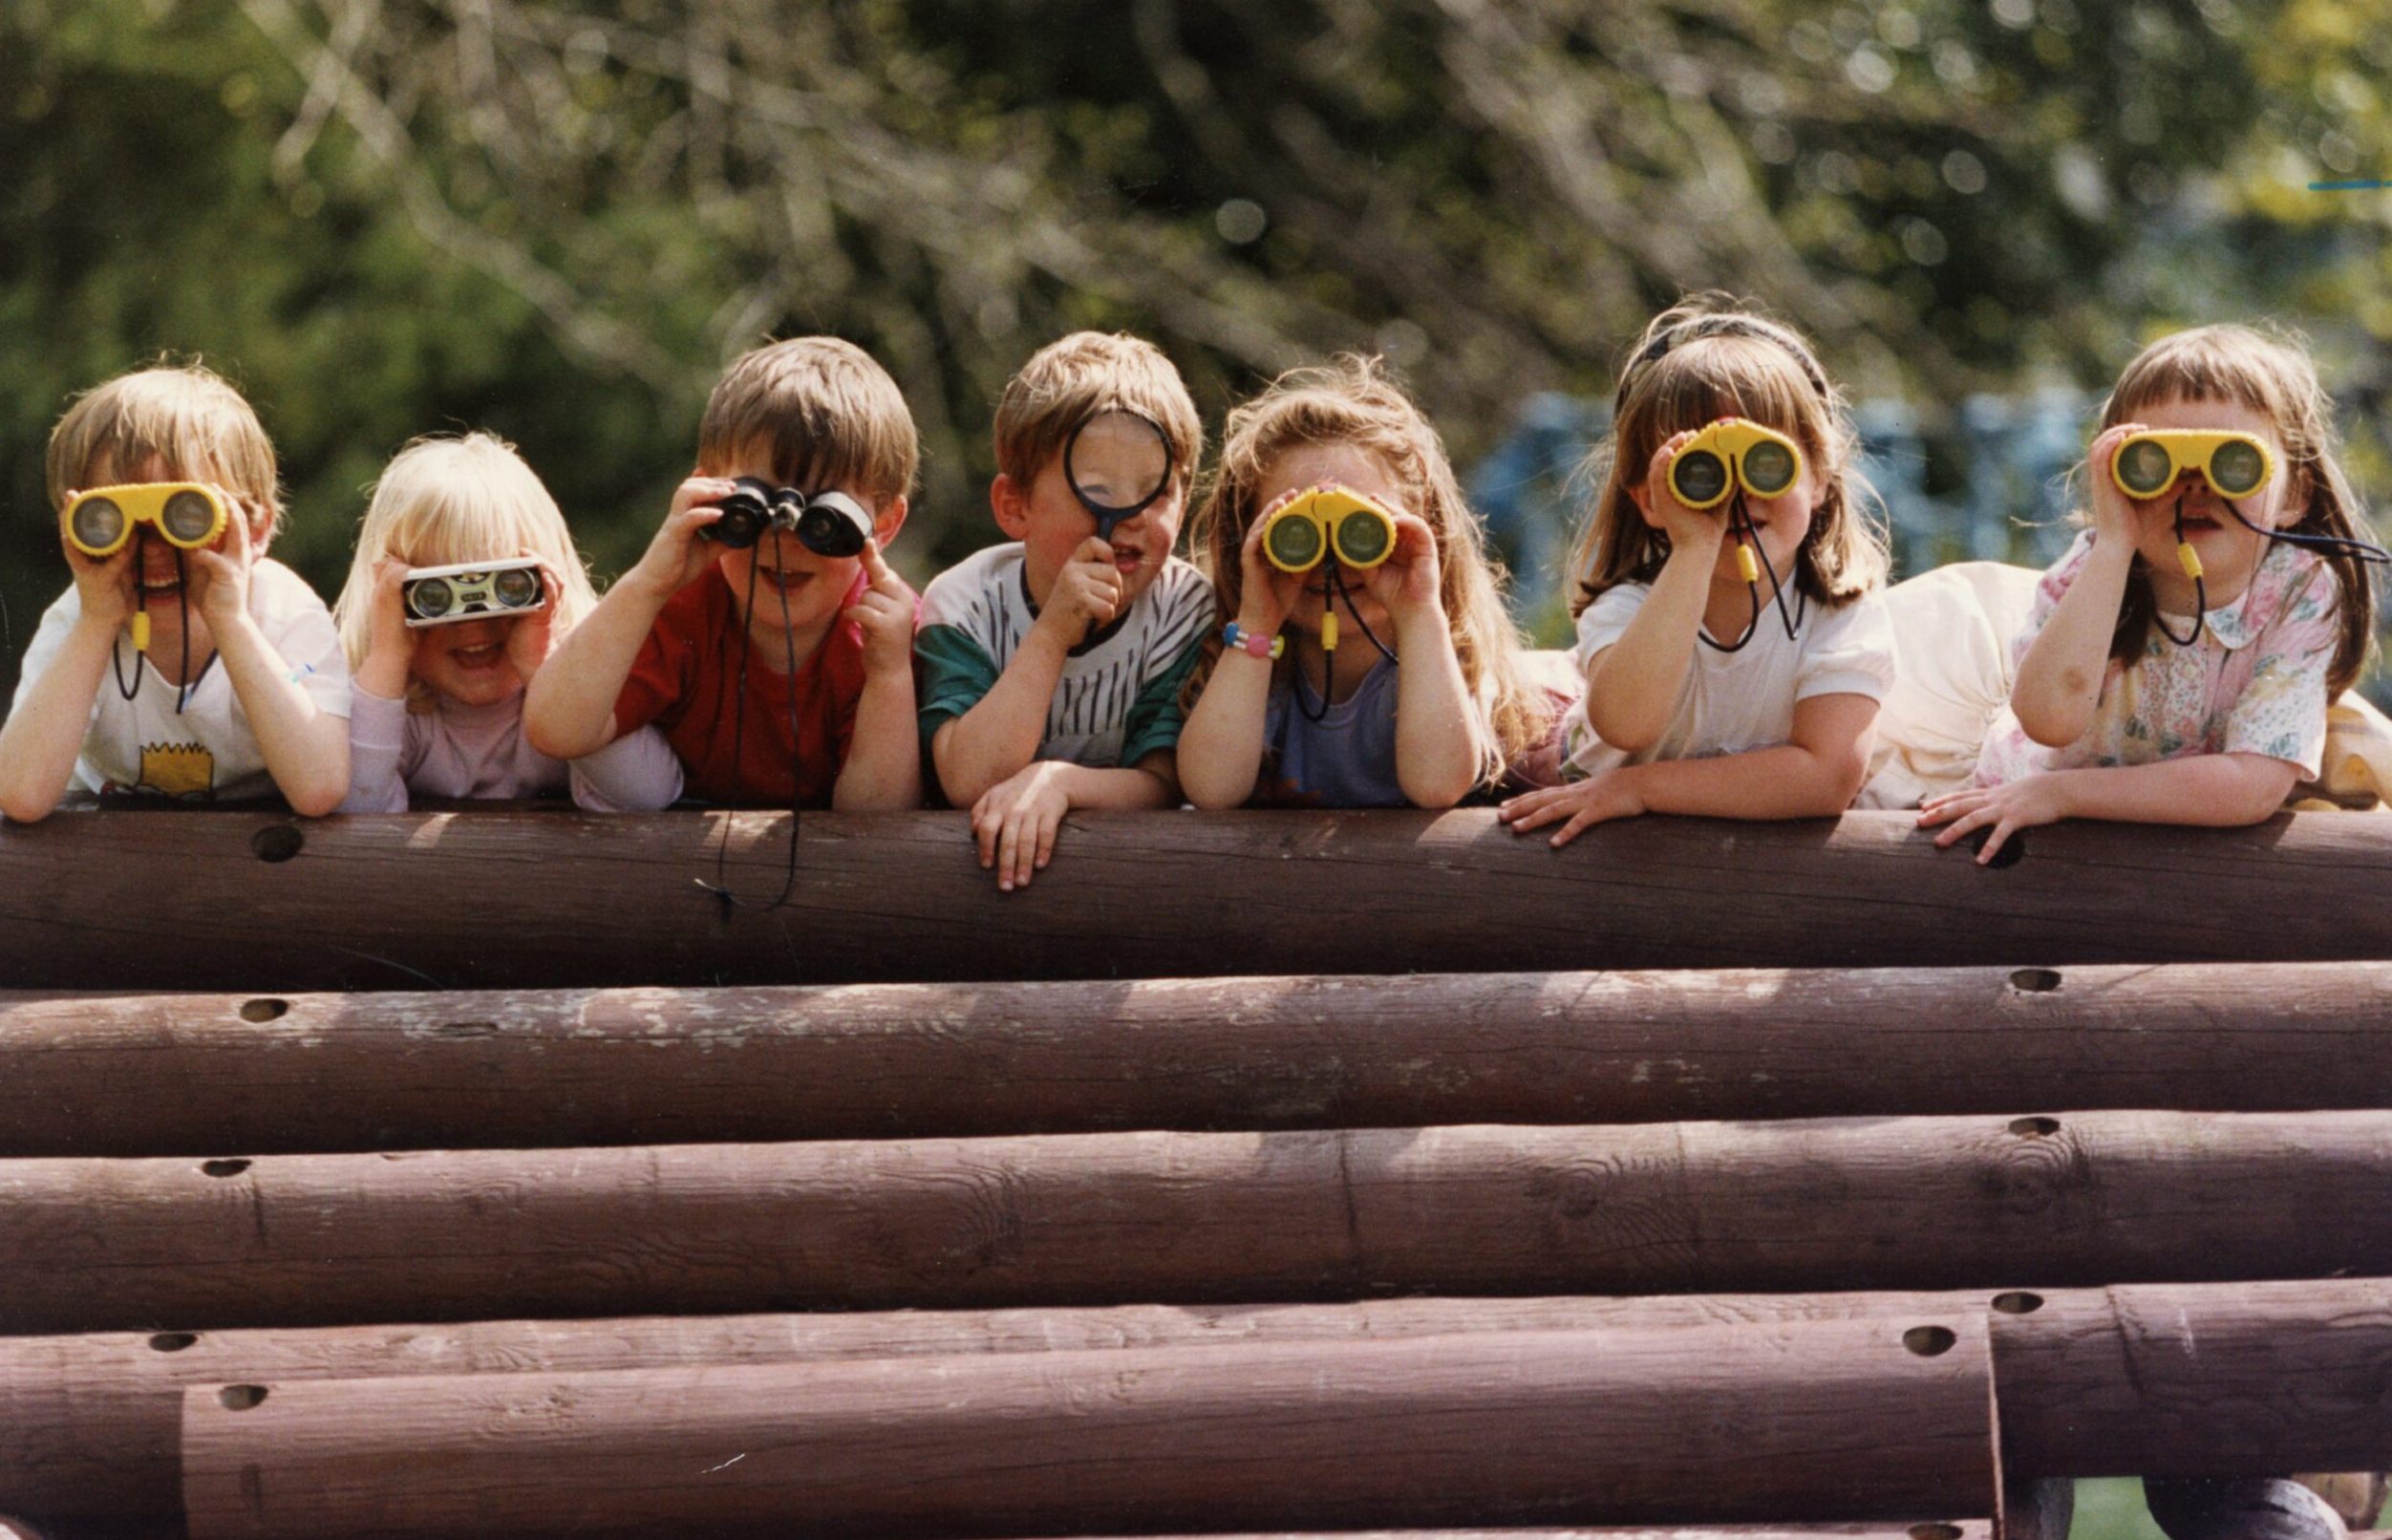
(686, 681)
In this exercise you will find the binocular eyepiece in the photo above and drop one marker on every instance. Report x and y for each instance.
(185, 515)
(827, 523)
(1326, 522)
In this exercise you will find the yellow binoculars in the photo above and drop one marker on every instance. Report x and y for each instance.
(185, 514)
(1328, 521)
(1729, 453)
(2235, 464)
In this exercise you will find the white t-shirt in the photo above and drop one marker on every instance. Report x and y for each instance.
(206, 752)
(1734, 703)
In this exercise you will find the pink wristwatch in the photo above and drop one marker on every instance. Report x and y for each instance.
(1252, 644)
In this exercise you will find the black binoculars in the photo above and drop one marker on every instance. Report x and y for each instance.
(827, 523)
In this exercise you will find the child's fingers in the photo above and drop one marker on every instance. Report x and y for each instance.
(1049, 823)
(1579, 822)
(2002, 830)
(1028, 836)
(876, 568)
(1008, 852)
(1966, 824)
(986, 822)
(1549, 810)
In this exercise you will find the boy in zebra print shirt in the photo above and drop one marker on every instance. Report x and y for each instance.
(1051, 665)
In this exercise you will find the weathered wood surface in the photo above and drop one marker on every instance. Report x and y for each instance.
(1928, 1530)
(1177, 1217)
(88, 1425)
(1863, 1420)
(531, 900)
(178, 1073)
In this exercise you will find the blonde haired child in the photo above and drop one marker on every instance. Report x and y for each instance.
(240, 690)
(1429, 697)
(1709, 692)
(439, 710)
(2146, 694)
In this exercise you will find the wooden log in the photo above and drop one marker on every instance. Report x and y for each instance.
(541, 900)
(153, 1074)
(1864, 1420)
(2157, 1379)
(1118, 1218)
(89, 1425)
(1931, 1529)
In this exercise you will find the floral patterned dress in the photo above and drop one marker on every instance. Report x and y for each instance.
(2253, 683)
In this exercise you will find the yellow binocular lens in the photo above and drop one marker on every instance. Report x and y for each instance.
(1729, 452)
(99, 521)
(2235, 464)
(1327, 522)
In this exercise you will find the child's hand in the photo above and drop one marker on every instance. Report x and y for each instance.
(1086, 596)
(1407, 583)
(676, 556)
(533, 635)
(1585, 803)
(102, 585)
(1265, 593)
(1690, 529)
(2119, 520)
(886, 612)
(390, 646)
(219, 574)
(2009, 807)
(1016, 820)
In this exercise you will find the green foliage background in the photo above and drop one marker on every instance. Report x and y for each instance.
(557, 220)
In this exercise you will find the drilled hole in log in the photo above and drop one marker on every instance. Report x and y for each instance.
(264, 1010)
(2036, 1127)
(1929, 1341)
(173, 1341)
(1934, 1531)
(241, 1398)
(466, 1029)
(2018, 1302)
(223, 1167)
(2035, 980)
(278, 842)
(2012, 850)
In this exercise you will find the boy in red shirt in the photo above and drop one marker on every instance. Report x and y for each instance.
(715, 642)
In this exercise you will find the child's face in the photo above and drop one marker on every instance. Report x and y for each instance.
(1780, 524)
(795, 589)
(1357, 470)
(1052, 524)
(466, 663)
(2230, 553)
(160, 578)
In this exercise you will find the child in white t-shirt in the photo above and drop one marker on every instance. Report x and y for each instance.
(202, 673)
(439, 706)
(1734, 650)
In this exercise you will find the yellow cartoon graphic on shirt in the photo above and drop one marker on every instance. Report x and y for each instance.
(178, 769)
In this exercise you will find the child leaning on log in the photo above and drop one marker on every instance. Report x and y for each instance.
(2177, 662)
(195, 667)
(779, 672)
(1734, 654)
(1429, 699)
(438, 708)
(1051, 665)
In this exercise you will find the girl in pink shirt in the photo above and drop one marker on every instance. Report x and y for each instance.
(2178, 658)
(438, 709)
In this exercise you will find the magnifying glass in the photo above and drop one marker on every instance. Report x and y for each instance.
(1119, 462)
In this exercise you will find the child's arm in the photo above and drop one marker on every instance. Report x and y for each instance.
(44, 733)
(2211, 790)
(2058, 686)
(378, 705)
(1002, 732)
(305, 749)
(569, 709)
(1437, 734)
(883, 768)
(1634, 685)
(1221, 748)
(1016, 820)
(1816, 773)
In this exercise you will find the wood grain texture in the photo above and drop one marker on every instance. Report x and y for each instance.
(2042, 1200)
(88, 1423)
(1824, 1420)
(263, 1074)
(538, 900)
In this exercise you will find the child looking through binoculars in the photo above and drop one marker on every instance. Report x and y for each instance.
(183, 661)
(1731, 633)
(1362, 657)
(440, 659)
(780, 671)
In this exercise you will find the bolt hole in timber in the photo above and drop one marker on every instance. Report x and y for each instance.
(232, 1167)
(2035, 980)
(263, 1011)
(1930, 1341)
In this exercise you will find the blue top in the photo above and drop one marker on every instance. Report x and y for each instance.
(1345, 760)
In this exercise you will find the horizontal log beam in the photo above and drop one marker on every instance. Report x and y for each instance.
(1157, 1217)
(1866, 1420)
(320, 1073)
(542, 900)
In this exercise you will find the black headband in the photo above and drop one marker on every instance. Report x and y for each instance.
(1697, 328)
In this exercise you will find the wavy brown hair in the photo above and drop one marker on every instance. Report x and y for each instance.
(2271, 375)
(1351, 400)
(1705, 358)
